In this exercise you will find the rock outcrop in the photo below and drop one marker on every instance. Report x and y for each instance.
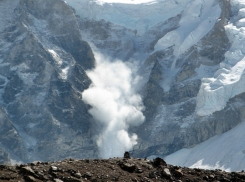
(43, 63)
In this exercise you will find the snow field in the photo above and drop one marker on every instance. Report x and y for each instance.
(225, 151)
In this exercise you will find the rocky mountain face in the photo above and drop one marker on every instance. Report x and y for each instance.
(45, 51)
(43, 63)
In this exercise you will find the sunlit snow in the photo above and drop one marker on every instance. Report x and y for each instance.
(138, 15)
(197, 20)
(226, 152)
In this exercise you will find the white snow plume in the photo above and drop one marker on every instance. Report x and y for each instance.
(115, 105)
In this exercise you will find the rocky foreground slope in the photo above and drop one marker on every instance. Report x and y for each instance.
(116, 169)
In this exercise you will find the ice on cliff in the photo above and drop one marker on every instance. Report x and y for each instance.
(228, 80)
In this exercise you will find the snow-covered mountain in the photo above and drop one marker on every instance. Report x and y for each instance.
(190, 59)
(92, 78)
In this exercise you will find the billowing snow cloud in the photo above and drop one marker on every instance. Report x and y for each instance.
(115, 105)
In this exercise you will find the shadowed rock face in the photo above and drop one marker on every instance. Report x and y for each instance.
(9, 137)
(42, 77)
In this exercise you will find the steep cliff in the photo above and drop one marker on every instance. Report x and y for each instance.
(43, 63)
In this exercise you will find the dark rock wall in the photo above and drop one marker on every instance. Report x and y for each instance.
(44, 76)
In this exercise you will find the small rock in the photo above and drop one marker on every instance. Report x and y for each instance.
(211, 176)
(152, 175)
(134, 180)
(150, 167)
(53, 174)
(147, 180)
(166, 172)
(87, 161)
(198, 170)
(225, 179)
(57, 180)
(73, 180)
(27, 169)
(139, 170)
(78, 175)
(34, 163)
(53, 168)
(158, 161)
(130, 167)
(71, 171)
(39, 174)
(87, 175)
(205, 177)
(178, 173)
(30, 178)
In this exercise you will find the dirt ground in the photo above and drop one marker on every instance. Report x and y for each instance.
(116, 169)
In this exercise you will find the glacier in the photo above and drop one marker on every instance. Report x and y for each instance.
(219, 81)
(138, 15)
(197, 20)
(228, 80)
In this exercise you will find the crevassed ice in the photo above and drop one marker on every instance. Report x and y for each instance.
(138, 15)
(198, 19)
(229, 79)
